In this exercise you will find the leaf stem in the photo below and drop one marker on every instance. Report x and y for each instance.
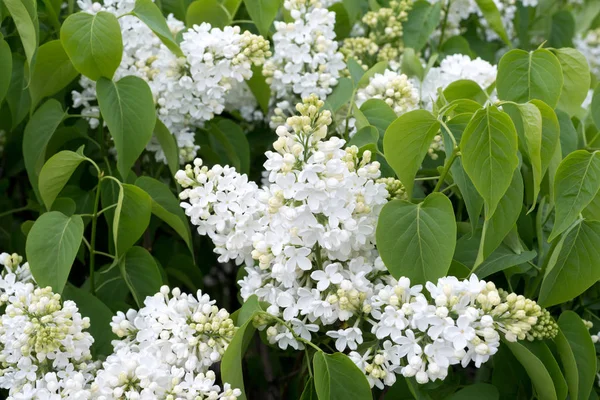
(446, 169)
(93, 239)
(298, 338)
(14, 211)
(104, 254)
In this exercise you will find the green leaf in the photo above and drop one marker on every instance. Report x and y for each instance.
(356, 71)
(51, 248)
(168, 143)
(465, 89)
(52, 72)
(18, 97)
(580, 341)
(93, 43)
(456, 45)
(473, 201)
(364, 136)
(309, 392)
(132, 216)
(506, 215)
(340, 96)
(365, 78)
(231, 363)
(232, 137)
(492, 15)
(524, 76)
(562, 30)
(338, 378)
(489, 154)
(5, 67)
(55, 174)
(573, 266)
(175, 7)
(263, 13)
(422, 19)
(64, 205)
(595, 108)
(261, 89)
(150, 14)
(406, 143)
(128, 109)
(26, 25)
(592, 210)
(502, 258)
(576, 183)
(210, 11)
(100, 318)
(529, 127)
(543, 353)
(248, 310)
(569, 137)
(140, 272)
(343, 25)
(379, 114)
(409, 240)
(569, 363)
(411, 64)
(166, 207)
(576, 73)
(477, 391)
(540, 377)
(38, 132)
(550, 133)
(232, 6)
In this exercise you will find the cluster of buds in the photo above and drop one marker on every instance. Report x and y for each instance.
(393, 88)
(362, 49)
(395, 188)
(254, 49)
(521, 318)
(385, 24)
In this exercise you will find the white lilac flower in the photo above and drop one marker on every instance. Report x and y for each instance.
(186, 331)
(453, 68)
(187, 90)
(589, 45)
(305, 57)
(42, 338)
(393, 88)
(137, 373)
(454, 12)
(308, 242)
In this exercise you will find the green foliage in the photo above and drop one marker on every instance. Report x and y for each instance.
(38, 133)
(211, 11)
(422, 20)
(573, 265)
(489, 155)
(140, 273)
(501, 181)
(52, 245)
(128, 108)
(132, 216)
(576, 183)
(408, 242)
(263, 13)
(150, 14)
(524, 76)
(337, 378)
(580, 342)
(53, 71)
(93, 43)
(406, 143)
